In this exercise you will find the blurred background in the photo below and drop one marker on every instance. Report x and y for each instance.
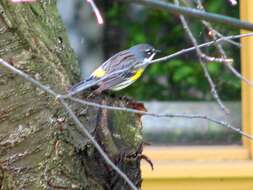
(176, 86)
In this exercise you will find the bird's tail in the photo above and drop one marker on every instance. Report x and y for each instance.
(82, 85)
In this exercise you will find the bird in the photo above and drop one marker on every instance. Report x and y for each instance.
(108, 76)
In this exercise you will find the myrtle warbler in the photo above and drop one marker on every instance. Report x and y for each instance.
(129, 58)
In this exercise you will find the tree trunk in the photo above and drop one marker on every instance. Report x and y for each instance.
(40, 147)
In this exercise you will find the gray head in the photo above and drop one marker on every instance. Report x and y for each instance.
(143, 52)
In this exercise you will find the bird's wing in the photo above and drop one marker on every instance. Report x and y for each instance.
(119, 61)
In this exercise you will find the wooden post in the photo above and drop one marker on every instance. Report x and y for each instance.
(246, 13)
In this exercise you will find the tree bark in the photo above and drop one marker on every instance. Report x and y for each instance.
(40, 147)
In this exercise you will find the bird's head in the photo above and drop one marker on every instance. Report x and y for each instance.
(144, 52)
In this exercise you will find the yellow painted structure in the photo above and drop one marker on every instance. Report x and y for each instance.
(209, 167)
(246, 11)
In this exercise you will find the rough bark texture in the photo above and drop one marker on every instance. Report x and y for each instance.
(40, 148)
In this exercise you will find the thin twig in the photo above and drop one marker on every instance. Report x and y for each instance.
(96, 11)
(208, 25)
(237, 44)
(202, 56)
(238, 75)
(185, 116)
(22, 1)
(207, 44)
(27, 77)
(233, 2)
(215, 35)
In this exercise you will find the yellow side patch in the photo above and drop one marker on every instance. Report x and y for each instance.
(137, 74)
(99, 72)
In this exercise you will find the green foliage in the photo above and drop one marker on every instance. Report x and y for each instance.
(180, 78)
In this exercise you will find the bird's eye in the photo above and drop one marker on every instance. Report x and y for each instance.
(148, 51)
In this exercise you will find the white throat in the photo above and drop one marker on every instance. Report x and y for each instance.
(147, 60)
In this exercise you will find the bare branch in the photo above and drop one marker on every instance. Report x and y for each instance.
(237, 44)
(185, 116)
(202, 56)
(212, 17)
(207, 44)
(27, 77)
(96, 11)
(215, 35)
